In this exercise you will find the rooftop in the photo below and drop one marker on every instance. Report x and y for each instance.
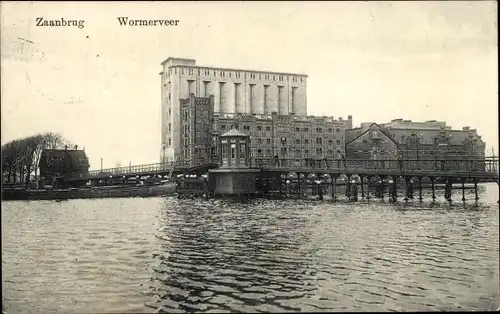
(224, 69)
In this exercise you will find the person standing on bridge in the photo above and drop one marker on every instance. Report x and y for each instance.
(276, 160)
(344, 161)
(339, 157)
(400, 160)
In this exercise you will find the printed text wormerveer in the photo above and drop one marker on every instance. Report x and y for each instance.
(124, 21)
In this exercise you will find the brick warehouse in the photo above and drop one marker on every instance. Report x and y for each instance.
(234, 90)
(288, 136)
(413, 140)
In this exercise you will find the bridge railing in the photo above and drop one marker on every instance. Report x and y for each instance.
(471, 165)
(157, 167)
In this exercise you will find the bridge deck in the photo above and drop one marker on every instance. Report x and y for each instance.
(471, 168)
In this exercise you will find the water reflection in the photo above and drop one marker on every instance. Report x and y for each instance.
(169, 255)
(231, 256)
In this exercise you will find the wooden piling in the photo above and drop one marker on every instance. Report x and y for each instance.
(334, 187)
(433, 189)
(394, 190)
(475, 189)
(463, 190)
(368, 178)
(407, 183)
(382, 188)
(420, 189)
(362, 188)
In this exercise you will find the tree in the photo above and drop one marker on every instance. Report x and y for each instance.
(21, 157)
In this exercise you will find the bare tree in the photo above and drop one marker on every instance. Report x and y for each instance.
(21, 157)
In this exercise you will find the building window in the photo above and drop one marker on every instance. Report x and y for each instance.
(297, 129)
(293, 98)
(280, 92)
(169, 141)
(330, 142)
(169, 126)
(221, 95)
(259, 141)
(297, 141)
(251, 96)
(338, 142)
(319, 130)
(223, 127)
(190, 87)
(318, 140)
(233, 151)
(306, 152)
(242, 151)
(259, 151)
(169, 111)
(268, 128)
(268, 152)
(205, 88)
(246, 127)
(337, 130)
(236, 95)
(319, 151)
(306, 141)
(330, 130)
(259, 128)
(306, 129)
(268, 140)
(266, 87)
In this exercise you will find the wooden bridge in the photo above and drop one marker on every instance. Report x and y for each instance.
(482, 169)
(472, 168)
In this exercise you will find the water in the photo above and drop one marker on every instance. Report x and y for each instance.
(169, 255)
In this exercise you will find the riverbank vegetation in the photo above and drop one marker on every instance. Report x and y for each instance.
(21, 157)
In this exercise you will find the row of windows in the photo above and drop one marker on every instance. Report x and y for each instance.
(268, 128)
(237, 74)
(298, 152)
(319, 140)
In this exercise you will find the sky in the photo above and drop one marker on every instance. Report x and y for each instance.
(99, 86)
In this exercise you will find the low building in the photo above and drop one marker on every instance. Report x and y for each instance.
(56, 162)
(437, 141)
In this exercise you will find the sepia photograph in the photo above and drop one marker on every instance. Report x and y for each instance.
(249, 156)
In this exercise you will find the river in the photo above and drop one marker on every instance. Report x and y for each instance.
(169, 255)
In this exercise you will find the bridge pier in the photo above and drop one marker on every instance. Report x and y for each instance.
(368, 179)
(362, 187)
(475, 189)
(433, 179)
(354, 192)
(348, 187)
(382, 188)
(447, 190)
(334, 186)
(393, 188)
(463, 190)
(299, 188)
(420, 189)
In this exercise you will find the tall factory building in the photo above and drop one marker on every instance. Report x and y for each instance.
(235, 91)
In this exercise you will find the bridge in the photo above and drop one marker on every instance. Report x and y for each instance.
(482, 169)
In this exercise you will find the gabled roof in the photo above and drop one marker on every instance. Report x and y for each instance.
(383, 131)
(234, 133)
(427, 136)
(72, 156)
